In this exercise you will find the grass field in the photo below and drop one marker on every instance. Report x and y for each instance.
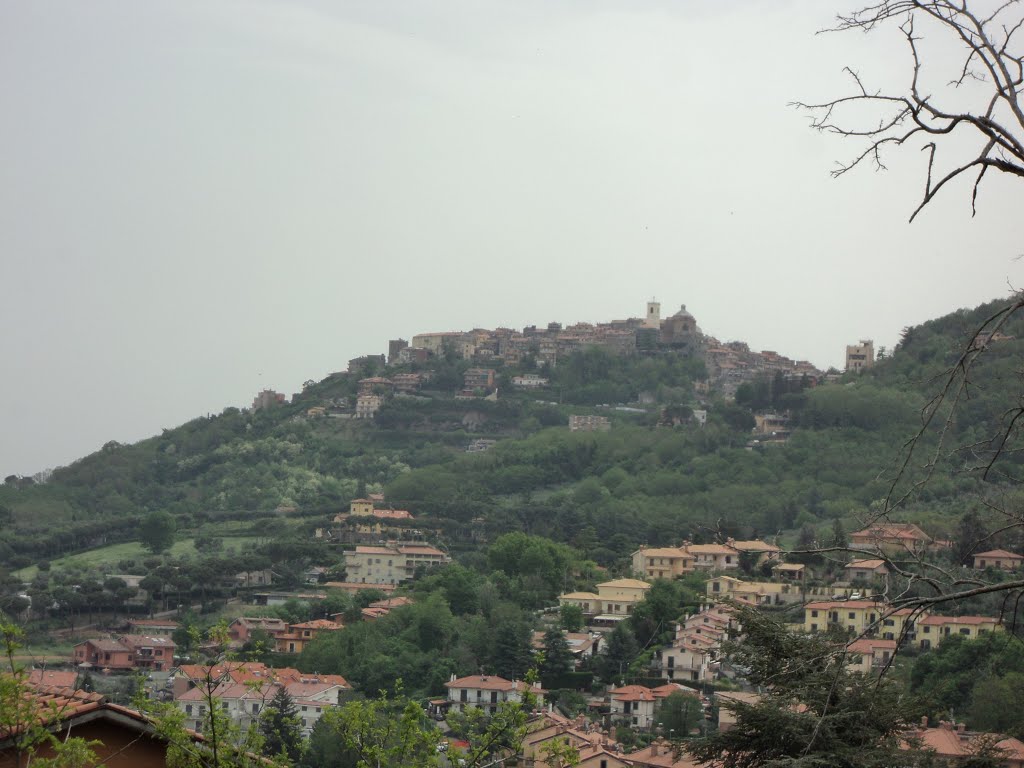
(107, 558)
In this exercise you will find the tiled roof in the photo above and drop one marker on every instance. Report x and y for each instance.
(865, 563)
(625, 584)
(938, 621)
(1000, 554)
(632, 693)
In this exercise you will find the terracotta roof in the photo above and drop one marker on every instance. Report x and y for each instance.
(827, 605)
(938, 621)
(1001, 554)
(711, 549)
(55, 703)
(58, 678)
(625, 583)
(867, 645)
(865, 563)
(664, 552)
(318, 624)
(483, 682)
(754, 545)
(632, 693)
(789, 567)
(948, 742)
(104, 644)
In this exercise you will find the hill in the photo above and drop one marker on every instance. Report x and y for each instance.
(604, 492)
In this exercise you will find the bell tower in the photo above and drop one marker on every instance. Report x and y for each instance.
(653, 318)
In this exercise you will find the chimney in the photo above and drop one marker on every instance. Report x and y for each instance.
(452, 678)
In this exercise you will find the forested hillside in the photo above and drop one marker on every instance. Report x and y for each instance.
(602, 492)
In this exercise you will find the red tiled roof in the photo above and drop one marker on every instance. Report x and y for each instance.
(934, 620)
(632, 693)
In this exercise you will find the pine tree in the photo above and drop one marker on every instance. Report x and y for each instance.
(557, 657)
(280, 727)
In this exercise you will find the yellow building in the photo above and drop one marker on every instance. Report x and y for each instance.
(856, 616)
(614, 598)
(753, 592)
(662, 562)
(931, 630)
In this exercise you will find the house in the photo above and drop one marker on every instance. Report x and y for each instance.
(488, 692)
(892, 539)
(479, 378)
(120, 737)
(954, 744)
(240, 630)
(660, 754)
(789, 571)
(636, 705)
(868, 653)
(104, 653)
(578, 423)
(753, 592)
(714, 557)
(866, 570)
(662, 562)
(762, 549)
(368, 405)
(380, 608)
(391, 564)
(931, 630)
(855, 616)
(694, 652)
(998, 558)
(529, 381)
(549, 728)
(149, 652)
(725, 700)
(582, 645)
(260, 578)
(300, 635)
(613, 601)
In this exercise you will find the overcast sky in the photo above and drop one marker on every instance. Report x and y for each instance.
(203, 198)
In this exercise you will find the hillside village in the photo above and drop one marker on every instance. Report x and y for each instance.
(618, 648)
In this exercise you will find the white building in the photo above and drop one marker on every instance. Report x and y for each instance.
(488, 692)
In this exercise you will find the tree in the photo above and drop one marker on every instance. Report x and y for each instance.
(812, 710)
(557, 657)
(157, 532)
(280, 725)
(679, 713)
(571, 617)
(981, 100)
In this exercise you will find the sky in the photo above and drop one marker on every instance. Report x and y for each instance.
(200, 199)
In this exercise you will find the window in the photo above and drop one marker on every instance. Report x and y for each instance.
(814, 627)
(851, 615)
(889, 623)
(965, 631)
(255, 707)
(305, 709)
(814, 614)
(463, 695)
(188, 709)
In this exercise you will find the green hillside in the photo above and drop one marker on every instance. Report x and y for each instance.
(602, 492)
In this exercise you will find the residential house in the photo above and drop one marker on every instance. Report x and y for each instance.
(479, 378)
(870, 653)
(120, 737)
(149, 652)
(381, 608)
(789, 571)
(636, 705)
(953, 744)
(931, 630)
(725, 699)
(661, 754)
(261, 578)
(765, 552)
(614, 599)
(714, 557)
(391, 564)
(300, 635)
(240, 630)
(368, 405)
(998, 558)
(582, 645)
(488, 692)
(662, 562)
(103, 653)
(529, 381)
(753, 592)
(694, 652)
(892, 539)
(866, 570)
(855, 616)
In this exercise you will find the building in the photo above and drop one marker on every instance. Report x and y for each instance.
(636, 705)
(662, 562)
(892, 539)
(867, 654)
(479, 378)
(391, 564)
(613, 601)
(714, 557)
(268, 398)
(932, 630)
(998, 558)
(860, 356)
(760, 593)
(866, 570)
(368, 405)
(725, 699)
(149, 652)
(582, 645)
(953, 744)
(856, 616)
(240, 630)
(152, 627)
(300, 635)
(127, 652)
(529, 381)
(488, 692)
(103, 653)
(583, 423)
(395, 347)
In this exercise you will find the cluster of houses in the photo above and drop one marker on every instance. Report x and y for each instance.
(243, 689)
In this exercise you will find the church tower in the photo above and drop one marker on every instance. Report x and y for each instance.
(653, 319)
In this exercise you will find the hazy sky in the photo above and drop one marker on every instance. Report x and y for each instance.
(202, 198)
